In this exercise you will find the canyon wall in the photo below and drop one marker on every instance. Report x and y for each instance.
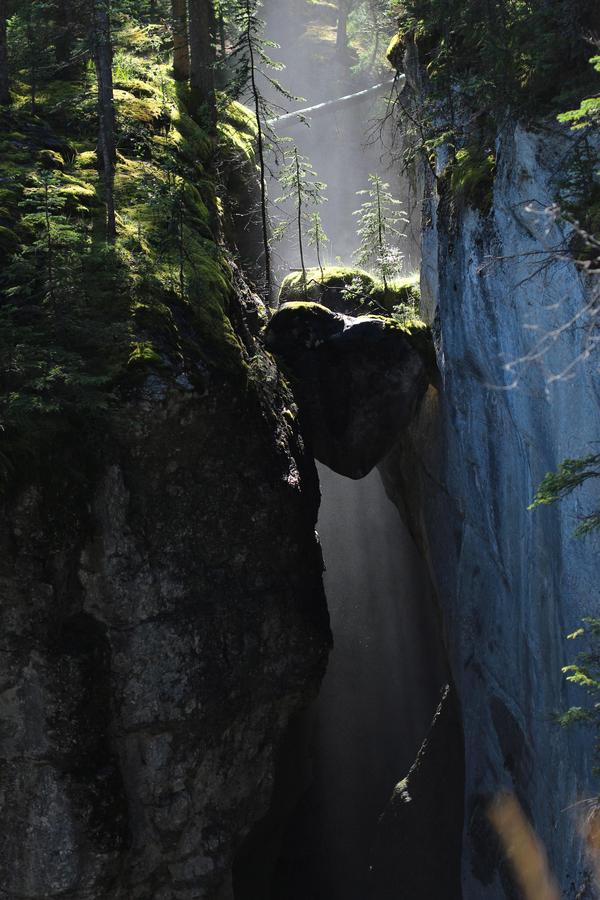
(516, 395)
(163, 617)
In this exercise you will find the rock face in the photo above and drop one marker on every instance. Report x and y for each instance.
(418, 843)
(511, 583)
(358, 381)
(162, 620)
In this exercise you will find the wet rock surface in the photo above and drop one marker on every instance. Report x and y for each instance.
(358, 381)
(161, 619)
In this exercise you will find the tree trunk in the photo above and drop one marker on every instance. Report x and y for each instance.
(202, 57)
(299, 217)
(261, 152)
(341, 44)
(101, 36)
(181, 52)
(4, 92)
(65, 39)
(32, 53)
(222, 36)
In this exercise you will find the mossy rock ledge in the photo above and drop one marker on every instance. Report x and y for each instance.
(351, 290)
(357, 380)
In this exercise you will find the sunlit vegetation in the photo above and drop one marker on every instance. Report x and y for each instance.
(513, 53)
(84, 314)
(354, 290)
(483, 63)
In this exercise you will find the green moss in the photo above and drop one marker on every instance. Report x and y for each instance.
(87, 160)
(50, 159)
(328, 284)
(310, 308)
(142, 352)
(352, 290)
(161, 296)
(238, 131)
(405, 291)
(129, 106)
(472, 177)
(78, 196)
(308, 323)
(395, 51)
(420, 337)
(396, 308)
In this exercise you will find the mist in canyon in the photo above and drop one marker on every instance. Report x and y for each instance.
(381, 689)
(378, 696)
(344, 146)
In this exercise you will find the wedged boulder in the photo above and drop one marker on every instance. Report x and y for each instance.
(357, 381)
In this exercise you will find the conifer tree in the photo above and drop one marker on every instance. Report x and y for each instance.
(345, 7)
(378, 220)
(103, 54)
(66, 15)
(202, 56)
(181, 52)
(4, 83)
(317, 238)
(252, 63)
(300, 184)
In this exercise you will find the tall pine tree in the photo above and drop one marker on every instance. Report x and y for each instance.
(103, 55)
(4, 85)
(181, 50)
(202, 57)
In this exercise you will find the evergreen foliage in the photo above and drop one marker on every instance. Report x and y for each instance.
(302, 187)
(378, 219)
(571, 474)
(250, 61)
(578, 187)
(518, 53)
(317, 238)
(483, 62)
(585, 672)
(83, 322)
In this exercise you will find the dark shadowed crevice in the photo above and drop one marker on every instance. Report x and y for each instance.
(333, 832)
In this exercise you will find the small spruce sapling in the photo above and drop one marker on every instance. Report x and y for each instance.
(302, 187)
(378, 219)
(317, 238)
(46, 270)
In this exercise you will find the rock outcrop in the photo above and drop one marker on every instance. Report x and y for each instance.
(350, 291)
(163, 617)
(357, 380)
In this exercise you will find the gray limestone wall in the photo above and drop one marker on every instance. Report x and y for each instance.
(517, 393)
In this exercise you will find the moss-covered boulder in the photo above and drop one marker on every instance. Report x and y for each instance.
(351, 290)
(357, 381)
(395, 51)
(420, 35)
